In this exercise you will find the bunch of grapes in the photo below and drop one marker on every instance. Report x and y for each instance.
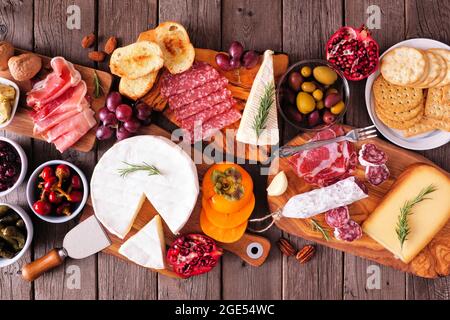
(121, 119)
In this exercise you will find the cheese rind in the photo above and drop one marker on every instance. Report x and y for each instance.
(147, 248)
(426, 219)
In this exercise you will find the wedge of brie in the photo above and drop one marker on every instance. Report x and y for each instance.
(173, 193)
(147, 248)
(246, 132)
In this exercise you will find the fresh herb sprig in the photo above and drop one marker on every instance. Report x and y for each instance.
(265, 103)
(98, 90)
(403, 229)
(317, 227)
(152, 170)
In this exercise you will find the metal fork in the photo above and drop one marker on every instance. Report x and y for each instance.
(352, 136)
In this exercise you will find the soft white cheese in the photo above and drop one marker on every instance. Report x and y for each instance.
(147, 247)
(117, 200)
(246, 132)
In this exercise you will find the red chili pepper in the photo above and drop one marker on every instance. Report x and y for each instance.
(42, 207)
(47, 173)
(64, 209)
(76, 182)
(54, 197)
(62, 172)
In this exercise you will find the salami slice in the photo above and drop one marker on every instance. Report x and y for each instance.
(349, 232)
(376, 175)
(371, 155)
(206, 114)
(337, 217)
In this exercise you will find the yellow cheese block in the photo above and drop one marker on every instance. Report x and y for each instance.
(427, 217)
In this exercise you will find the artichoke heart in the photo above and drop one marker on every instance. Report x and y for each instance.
(5, 109)
(228, 184)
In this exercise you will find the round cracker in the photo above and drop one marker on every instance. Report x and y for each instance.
(446, 55)
(403, 66)
(424, 75)
(434, 70)
(442, 71)
(403, 115)
(396, 98)
(396, 124)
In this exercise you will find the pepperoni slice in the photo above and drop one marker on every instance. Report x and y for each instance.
(371, 155)
(351, 231)
(337, 217)
(376, 175)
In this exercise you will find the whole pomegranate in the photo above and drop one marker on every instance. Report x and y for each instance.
(193, 254)
(354, 52)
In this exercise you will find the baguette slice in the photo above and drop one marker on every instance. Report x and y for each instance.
(177, 49)
(136, 60)
(137, 88)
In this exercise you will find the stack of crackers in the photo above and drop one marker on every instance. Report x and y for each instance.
(412, 92)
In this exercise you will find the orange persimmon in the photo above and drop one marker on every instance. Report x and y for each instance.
(228, 220)
(220, 202)
(223, 235)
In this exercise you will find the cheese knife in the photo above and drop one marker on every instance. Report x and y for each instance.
(86, 239)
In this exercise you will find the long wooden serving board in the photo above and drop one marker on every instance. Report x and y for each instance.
(433, 261)
(23, 124)
(240, 248)
(240, 83)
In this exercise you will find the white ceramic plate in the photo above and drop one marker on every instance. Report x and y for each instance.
(426, 141)
(15, 103)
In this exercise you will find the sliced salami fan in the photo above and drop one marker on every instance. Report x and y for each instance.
(376, 175)
(371, 155)
(337, 217)
(351, 231)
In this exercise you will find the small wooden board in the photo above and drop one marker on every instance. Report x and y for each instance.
(431, 262)
(147, 212)
(23, 124)
(240, 83)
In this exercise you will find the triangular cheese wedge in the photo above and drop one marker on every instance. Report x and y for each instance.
(147, 247)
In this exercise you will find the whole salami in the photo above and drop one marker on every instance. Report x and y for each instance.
(371, 155)
(349, 232)
(337, 217)
(376, 175)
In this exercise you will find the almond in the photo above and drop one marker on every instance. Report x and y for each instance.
(88, 41)
(110, 45)
(97, 56)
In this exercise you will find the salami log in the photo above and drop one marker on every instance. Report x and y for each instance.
(337, 217)
(371, 155)
(349, 232)
(376, 175)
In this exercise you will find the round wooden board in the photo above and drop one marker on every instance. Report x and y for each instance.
(431, 262)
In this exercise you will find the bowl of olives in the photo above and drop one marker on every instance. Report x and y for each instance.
(13, 166)
(312, 95)
(16, 233)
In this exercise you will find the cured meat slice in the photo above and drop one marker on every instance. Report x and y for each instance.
(63, 77)
(190, 96)
(198, 75)
(208, 113)
(349, 232)
(376, 175)
(75, 123)
(337, 217)
(371, 155)
(191, 109)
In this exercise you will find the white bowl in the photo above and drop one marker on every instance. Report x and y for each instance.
(16, 100)
(29, 227)
(31, 191)
(23, 169)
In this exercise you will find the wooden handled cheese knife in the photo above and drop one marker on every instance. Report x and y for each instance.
(86, 239)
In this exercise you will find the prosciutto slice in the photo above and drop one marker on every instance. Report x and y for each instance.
(64, 76)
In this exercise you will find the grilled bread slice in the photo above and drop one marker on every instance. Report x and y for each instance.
(137, 88)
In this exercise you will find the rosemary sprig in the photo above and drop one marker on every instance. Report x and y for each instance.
(98, 91)
(265, 103)
(317, 227)
(403, 228)
(152, 170)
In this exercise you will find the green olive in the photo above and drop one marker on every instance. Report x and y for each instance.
(325, 75)
(318, 94)
(306, 71)
(305, 103)
(3, 210)
(308, 87)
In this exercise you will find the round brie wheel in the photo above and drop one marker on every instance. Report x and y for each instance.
(173, 193)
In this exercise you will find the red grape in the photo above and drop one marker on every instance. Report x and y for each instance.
(143, 111)
(236, 49)
(223, 61)
(132, 125)
(235, 63)
(124, 112)
(250, 59)
(113, 100)
(110, 120)
(123, 133)
(104, 133)
(103, 113)
(147, 121)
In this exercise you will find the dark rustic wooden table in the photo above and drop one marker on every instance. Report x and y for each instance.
(299, 28)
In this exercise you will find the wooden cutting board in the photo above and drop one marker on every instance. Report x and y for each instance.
(431, 262)
(240, 83)
(22, 123)
(147, 212)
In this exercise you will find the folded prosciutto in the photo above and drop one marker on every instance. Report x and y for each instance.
(61, 113)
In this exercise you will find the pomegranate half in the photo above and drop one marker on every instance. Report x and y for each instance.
(354, 52)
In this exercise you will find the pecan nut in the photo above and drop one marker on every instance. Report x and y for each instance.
(286, 247)
(88, 41)
(305, 254)
(97, 56)
(110, 45)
